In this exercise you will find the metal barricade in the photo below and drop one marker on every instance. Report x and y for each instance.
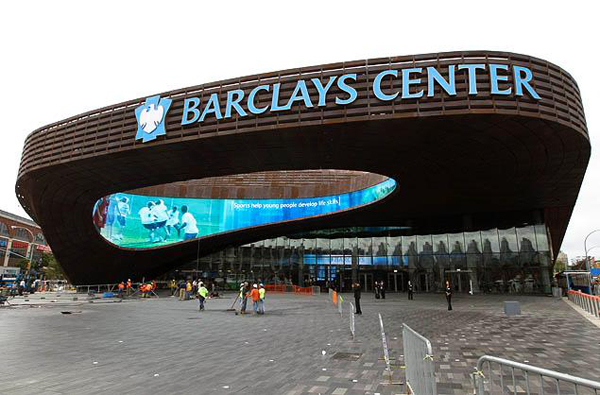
(352, 327)
(386, 353)
(418, 358)
(96, 288)
(501, 378)
(589, 303)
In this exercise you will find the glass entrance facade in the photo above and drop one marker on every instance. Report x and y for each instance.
(511, 260)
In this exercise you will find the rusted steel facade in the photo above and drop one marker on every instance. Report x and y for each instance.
(459, 160)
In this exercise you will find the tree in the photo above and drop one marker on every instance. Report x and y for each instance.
(51, 267)
(560, 266)
(24, 265)
(562, 262)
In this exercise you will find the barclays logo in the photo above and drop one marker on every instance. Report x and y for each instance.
(151, 118)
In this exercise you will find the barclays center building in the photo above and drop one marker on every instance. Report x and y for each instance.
(458, 166)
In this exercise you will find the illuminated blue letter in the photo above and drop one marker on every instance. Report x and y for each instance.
(494, 78)
(235, 103)
(377, 85)
(472, 75)
(434, 75)
(251, 106)
(323, 90)
(212, 107)
(341, 83)
(187, 108)
(407, 82)
(300, 87)
(275, 100)
(521, 82)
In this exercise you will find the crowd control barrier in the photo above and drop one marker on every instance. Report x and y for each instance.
(502, 379)
(418, 358)
(96, 288)
(352, 326)
(290, 289)
(589, 303)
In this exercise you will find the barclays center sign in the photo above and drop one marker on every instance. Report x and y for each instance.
(503, 80)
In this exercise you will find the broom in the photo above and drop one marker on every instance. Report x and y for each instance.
(233, 304)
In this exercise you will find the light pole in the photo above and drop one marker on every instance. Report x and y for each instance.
(589, 250)
(587, 261)
(30, 245)
(32, 238)
(31, 233)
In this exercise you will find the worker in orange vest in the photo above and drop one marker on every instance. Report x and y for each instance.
(121, 287)
(255, 295)
(128, 287)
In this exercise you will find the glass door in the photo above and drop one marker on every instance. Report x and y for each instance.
(366, 282)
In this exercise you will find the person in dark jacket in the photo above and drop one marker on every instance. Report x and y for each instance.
(356, 289)
(410, 290)
(382, 289)
(449, 295)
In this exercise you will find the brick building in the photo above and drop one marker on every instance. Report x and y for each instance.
(20, 238)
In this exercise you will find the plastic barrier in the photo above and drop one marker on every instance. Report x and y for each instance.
(589, 303)
(275, 288)
(289, 289)
(302, 290)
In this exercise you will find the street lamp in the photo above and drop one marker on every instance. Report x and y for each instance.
(30, 232)
(32, 238)
(587, 261)
(591, 248)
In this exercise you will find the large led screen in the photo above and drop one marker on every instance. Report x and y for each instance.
(137, 221)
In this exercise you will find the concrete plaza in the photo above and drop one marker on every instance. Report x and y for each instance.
(166, 346)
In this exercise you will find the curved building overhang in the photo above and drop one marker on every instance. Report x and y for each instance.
(517, 142)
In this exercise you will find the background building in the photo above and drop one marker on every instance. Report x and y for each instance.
(20, 238)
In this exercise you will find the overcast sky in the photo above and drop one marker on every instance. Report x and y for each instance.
(60, 59)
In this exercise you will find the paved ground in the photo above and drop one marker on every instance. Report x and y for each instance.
(167, 346)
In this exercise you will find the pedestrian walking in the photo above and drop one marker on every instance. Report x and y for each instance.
(377, 290)
(202, 294)
(356, 289)
(261, 303)
(382, 289)
(255, 295)
(449, 295)
(410, 290)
